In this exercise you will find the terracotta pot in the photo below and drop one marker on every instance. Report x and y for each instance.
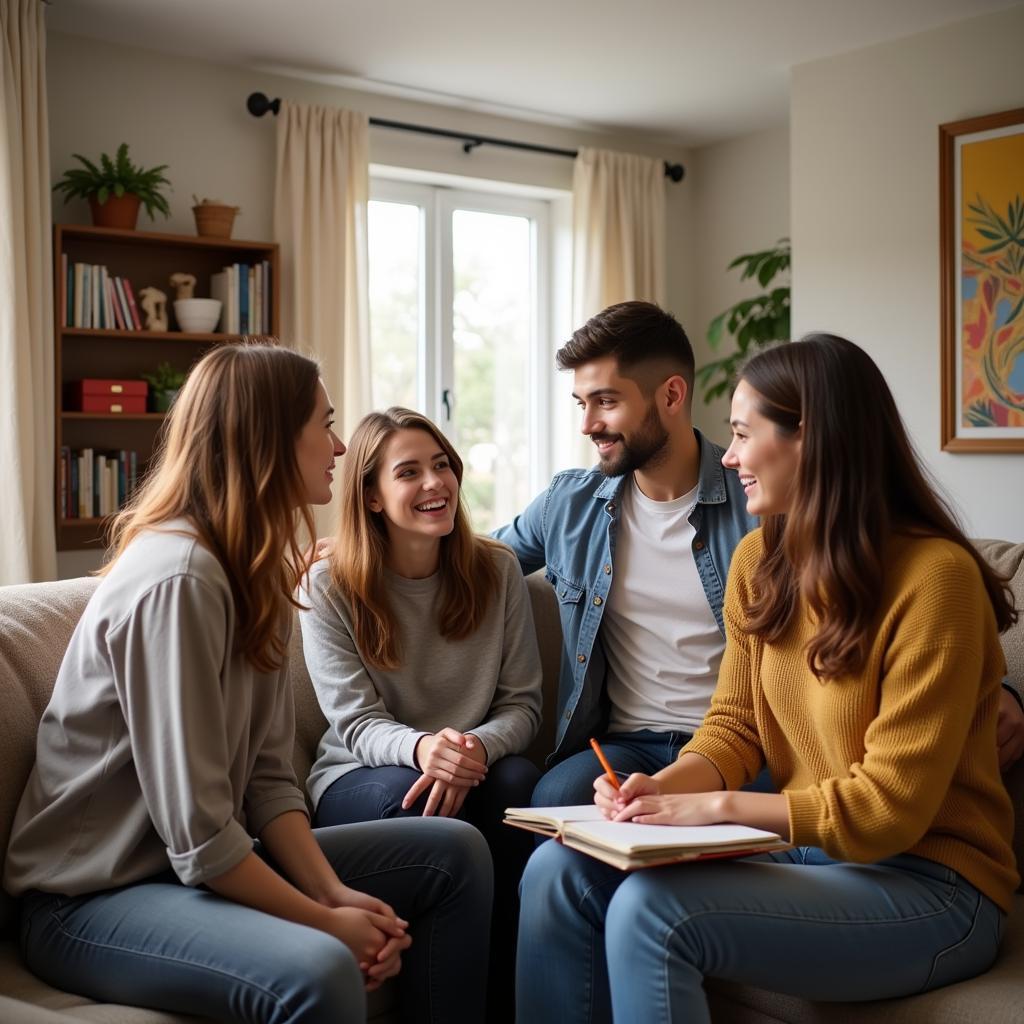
(214, 220)
(116, 212)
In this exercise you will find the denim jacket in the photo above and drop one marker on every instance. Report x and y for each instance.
(570, 530)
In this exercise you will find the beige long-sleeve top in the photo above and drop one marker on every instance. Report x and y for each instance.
(161, 746)
(488, 683)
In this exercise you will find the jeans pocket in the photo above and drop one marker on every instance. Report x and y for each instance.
(973, 953)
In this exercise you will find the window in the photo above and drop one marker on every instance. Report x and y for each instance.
(459, 330)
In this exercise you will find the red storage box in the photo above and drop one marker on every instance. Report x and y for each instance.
(109, 396)
(113, 403)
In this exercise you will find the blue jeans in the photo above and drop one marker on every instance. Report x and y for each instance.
(366, 794)
(167, 946)
(571, 781)
(597, 944)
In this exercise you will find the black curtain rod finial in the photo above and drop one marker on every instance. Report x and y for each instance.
(674, 171)
(259, 104)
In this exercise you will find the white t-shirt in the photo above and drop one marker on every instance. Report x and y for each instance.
(660, 637)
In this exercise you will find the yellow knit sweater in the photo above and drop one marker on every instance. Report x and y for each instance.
(900, 758)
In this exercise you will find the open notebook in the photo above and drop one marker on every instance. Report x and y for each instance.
(626, 845)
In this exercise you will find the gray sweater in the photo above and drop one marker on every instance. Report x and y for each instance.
(161, 746)
(489, 683)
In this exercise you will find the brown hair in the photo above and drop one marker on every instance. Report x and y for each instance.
(648, 344)
(226, 461)
(469, 576)
(858, 480)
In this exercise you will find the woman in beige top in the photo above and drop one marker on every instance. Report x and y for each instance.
(162, 847)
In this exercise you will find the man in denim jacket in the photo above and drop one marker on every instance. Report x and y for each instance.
(638, 551)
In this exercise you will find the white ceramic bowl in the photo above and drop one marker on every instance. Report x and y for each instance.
(198, 316)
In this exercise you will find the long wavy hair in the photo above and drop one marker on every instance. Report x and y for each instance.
(858, 480)
(469, 575)
(227, 462)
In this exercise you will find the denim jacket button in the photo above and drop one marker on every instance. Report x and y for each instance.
(581, 658)
(607, 570)
(698, 545)
(597, 600)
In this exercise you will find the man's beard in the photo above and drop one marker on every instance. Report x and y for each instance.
(646, 448)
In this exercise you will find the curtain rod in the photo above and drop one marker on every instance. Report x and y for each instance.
(258, 104)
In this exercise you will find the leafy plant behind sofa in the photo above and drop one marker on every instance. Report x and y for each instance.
(753, 322)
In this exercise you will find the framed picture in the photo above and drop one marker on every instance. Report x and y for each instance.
(981, 185)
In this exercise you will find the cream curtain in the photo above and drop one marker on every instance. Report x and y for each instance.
(320, 215)
(618, 237)
(27, 544)
(618, 230)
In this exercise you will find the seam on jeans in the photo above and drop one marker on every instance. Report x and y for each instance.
(956, 945)
(147, 954)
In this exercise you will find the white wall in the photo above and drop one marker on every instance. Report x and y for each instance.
(740, 205)
(865, 227)
(191, 115)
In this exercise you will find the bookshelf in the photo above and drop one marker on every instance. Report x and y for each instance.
(145, 258)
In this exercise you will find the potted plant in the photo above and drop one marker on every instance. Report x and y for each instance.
(116, 188)
(754, 322)
(164, 384)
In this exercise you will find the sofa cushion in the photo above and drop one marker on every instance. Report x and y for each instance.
(34, 1001)
(36, 623)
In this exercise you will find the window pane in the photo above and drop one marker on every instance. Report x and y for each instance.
(396, 301)
(492, 335)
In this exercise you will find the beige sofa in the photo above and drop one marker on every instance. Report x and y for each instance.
(36, 622)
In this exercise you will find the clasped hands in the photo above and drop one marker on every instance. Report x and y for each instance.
(371, 929)
(640, 799)
(452, 763)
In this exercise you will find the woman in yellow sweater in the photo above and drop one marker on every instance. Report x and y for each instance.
(863, 667)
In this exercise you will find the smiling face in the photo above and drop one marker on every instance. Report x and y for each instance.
(766, 459)
(416, 491)
(617, 417)
(316, 449)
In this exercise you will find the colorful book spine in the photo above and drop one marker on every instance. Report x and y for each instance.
(132, 307)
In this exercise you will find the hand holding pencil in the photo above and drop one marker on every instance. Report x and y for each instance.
(610, 795)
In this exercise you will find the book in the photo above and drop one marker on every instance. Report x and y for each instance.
(243, 297)
(628, 845)
(132, 308)
(122, 298)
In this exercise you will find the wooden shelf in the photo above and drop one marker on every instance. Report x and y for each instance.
(112, 415)
(146, 258)
(159, 239)
(91, 332)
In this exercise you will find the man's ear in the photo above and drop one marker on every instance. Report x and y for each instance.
(676, 393)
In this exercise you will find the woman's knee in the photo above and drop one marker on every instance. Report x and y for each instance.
(322, 982)
(552, 873)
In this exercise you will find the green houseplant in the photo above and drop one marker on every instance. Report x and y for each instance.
(753, 322)
(164, 384)
(116, 188)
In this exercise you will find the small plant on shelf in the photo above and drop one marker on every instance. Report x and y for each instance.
(164, 384)
(115, 188)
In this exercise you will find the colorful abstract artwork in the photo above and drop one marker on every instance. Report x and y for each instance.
(984, 299)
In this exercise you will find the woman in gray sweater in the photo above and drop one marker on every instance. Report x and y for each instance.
(420, 643)
(166, 748)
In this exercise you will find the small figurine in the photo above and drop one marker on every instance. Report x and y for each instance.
(154, 305)
(183, 285)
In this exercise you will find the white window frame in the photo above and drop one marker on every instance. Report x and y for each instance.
(437, 199)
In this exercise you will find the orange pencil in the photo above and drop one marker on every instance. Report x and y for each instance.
(612, 777)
